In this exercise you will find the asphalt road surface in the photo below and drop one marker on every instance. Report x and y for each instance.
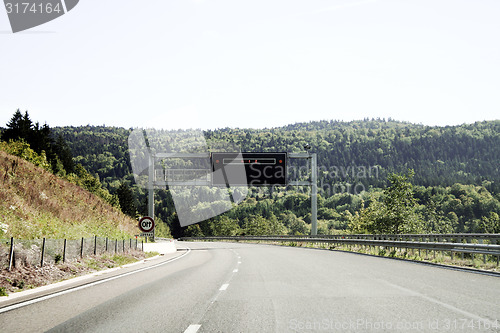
(227, 287)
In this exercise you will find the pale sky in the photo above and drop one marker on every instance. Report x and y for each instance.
(231, 63)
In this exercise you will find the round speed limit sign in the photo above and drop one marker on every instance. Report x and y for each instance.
(146, 224)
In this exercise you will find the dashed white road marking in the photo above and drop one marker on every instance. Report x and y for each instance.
(224, 286)
(235, 270)
(192, 328)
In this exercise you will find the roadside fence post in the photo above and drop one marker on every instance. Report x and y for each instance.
(116, 245)
(64, 251)
(11, 253)
(106, 244)
(123, 248)
(95, 245)
(43, 251)
(81, 249)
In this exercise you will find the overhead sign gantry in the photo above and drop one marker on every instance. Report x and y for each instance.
(233, 169)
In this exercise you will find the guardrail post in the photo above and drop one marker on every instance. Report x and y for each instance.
(43, 251)
(81, 249)
(64, 251)
(11, 253)
(480, 241)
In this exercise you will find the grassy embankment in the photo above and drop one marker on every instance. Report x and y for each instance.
(34, 203)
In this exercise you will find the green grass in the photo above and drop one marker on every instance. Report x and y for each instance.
(151, 254)
(121, 259)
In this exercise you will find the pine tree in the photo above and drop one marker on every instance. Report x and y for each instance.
(127, 200)
(63, 151)
(19, 127)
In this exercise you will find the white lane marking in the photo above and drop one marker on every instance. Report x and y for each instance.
(67, 291)
(239, 262)
(224, 286)
(192, 328)
(448, 306)
(235, 270)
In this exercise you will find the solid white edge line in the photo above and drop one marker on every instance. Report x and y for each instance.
(192, 328)
(224, 286)
(67, 291)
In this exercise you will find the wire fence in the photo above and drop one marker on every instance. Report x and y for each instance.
(37, 252)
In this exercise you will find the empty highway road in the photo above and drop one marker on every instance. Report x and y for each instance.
(228, 287)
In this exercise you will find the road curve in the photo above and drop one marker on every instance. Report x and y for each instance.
(228, 287)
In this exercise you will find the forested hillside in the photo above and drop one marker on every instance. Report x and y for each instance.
(467, 154)
(456, 175)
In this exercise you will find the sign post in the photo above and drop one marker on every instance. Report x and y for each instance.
(151, 195)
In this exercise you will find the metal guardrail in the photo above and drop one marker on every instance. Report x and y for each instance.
(451, 247)
(450, 238)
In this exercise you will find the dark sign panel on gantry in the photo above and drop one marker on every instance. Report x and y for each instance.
(261, 169)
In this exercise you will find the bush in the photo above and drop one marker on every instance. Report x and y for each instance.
(22, 149)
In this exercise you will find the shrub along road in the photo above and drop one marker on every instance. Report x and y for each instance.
(229, 287)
